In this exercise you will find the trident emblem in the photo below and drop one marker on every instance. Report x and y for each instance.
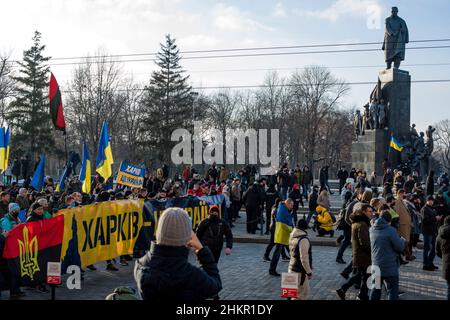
(28, 255)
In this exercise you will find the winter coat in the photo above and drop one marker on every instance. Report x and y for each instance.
(297, 197)
(404, 228)
(342, 175)
(224, 173)
(300, 251)
(429, 222)
(324, 219)
(386, 246)
(34, 217)
(211, 232)
(307, 177)
(361, 250)
(271, 195)
(443, 249)
(313, 201)
(324, 200)
(23, 202)
(4, 209)
(430, 186)
(7, 222)
(252, 198)
(164, 274)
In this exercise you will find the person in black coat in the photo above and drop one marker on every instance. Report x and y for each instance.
(430, 184)
(271, 195)
(165, 274)
(252, 200)
(312, 203)
(342, 175)
(36, 212)
(443, 251)
(296, 195)
(429, 231)
(211, 232)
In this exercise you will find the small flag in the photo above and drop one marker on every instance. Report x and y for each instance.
(39, 175)
(56, 107)
(396, 145)
(62, 180)
(104, 154)
(85, 173)
(7, 146)
(2, 150)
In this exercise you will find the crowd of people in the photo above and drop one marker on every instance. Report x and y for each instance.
(381, 220)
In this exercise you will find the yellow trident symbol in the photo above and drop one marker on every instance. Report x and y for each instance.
(28, 255)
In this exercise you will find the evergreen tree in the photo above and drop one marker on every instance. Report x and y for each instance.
(29, 113)
(167, 102)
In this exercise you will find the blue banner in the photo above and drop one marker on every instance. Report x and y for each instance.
(131, 175)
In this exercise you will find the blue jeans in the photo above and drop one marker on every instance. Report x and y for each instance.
(275, 257)
(310, 215)
(348, 269)
(345, 243)
(429, 244)
(391, 286)
(284, 191)
(305, 188)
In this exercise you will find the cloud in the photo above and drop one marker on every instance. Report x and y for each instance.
(342, 8)
(196, 41)
(279, 11)
(230, 18)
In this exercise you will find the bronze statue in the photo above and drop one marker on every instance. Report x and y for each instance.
(395, 37)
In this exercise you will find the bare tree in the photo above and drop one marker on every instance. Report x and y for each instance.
(93, 98)
(7, 85)
(442, 151)
(315, 93)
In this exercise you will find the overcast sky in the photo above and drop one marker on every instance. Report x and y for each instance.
(76, 28)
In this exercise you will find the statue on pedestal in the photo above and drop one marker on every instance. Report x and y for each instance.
(382, 115)
(395, 37)
(366, 119)
(373, 116)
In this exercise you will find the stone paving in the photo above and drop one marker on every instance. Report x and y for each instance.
(245, 276)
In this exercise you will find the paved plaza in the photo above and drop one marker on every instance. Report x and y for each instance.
(245, 276)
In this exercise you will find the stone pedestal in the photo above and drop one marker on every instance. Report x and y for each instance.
(370, 150)
(394, 87)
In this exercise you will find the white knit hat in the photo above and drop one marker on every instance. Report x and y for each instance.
(174, 228)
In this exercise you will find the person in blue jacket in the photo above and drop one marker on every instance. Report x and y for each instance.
(11, 219)
(386, 245)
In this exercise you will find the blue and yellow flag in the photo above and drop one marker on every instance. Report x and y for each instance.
(2, 149)
(7, 146)
(396, 145)
(39, 175)
(283, 225)
(85, 173)
(104, 154)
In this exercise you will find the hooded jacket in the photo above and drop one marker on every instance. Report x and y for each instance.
(386, 246)
(324, 218)
(443, 249)
(164, 274)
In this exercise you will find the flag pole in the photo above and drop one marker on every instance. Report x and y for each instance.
(65, 145)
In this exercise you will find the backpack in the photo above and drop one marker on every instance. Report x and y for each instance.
(123, 293)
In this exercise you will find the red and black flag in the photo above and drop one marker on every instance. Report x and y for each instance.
(56, 107)
(29, 246)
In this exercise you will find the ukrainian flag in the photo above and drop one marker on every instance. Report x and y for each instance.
(7, 146)
(2, 150)
(396, 145)
(85, 173)
(104, 154)
(283, 225)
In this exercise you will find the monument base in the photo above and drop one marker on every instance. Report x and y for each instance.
(370, 150)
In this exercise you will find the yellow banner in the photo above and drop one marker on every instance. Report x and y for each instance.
(105, 230)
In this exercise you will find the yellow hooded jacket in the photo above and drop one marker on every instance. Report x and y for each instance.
(324, 218)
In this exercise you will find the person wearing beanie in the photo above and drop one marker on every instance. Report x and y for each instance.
(36, 212)
(165, 274)
(301, 258)
(211, 232)
(11, 219)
